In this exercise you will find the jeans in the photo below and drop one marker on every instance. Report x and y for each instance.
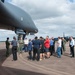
(25, 48)
(59, 51)
(30, 54)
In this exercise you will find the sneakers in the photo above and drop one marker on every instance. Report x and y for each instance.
(40, 59)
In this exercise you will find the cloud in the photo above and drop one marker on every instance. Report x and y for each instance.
(71, 0)
(55, 16)
(42, 9)
(8, 0)
(52, 17)
(6, 33)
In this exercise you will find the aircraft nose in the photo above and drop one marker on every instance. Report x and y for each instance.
(27, 23)
(18, 18)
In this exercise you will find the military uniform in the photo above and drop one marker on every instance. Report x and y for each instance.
(21, 44)
(7, 48)
(63, 45)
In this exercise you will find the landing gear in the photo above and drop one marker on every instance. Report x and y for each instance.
(21, 35)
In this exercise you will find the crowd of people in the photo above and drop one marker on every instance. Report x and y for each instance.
(39, 48)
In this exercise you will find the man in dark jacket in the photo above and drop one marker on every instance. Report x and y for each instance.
(7, 47)
(36, 48)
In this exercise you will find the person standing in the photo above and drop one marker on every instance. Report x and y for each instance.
(36, 48)
(72, 46)
(42, 55)
(30, 49)
(21, 44)
(26, 41)
(63, 45)
(59, 47)
(7, 46)
(14, 48)
(51, 46)
(47, 46)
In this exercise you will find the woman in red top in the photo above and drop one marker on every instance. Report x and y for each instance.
(47, 46)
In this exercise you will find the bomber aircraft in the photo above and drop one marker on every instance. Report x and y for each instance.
(14, 18)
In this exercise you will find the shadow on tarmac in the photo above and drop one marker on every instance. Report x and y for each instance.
(12, 71)
(2, 56)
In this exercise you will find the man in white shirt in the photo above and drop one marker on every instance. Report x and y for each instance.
(59, 47)
(26, 41)
(72, 46)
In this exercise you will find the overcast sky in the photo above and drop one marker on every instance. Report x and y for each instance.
(51, 17)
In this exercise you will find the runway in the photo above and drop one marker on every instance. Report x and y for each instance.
(23, 66)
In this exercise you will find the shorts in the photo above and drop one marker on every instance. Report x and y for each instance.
(46, 49)
(42, 50)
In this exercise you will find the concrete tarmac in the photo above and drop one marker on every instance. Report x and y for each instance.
(52, 66)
